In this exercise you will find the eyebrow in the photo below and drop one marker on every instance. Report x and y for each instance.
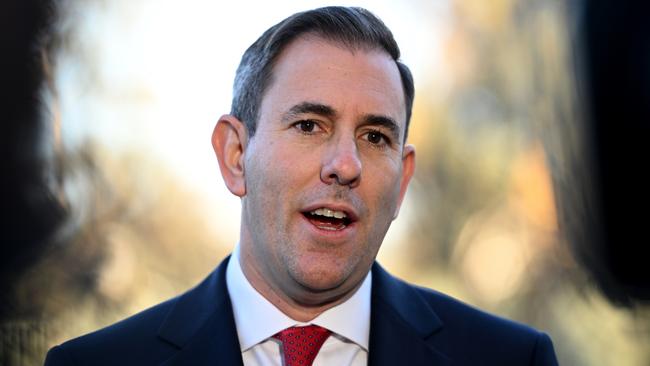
(386, 122)
(309, 107)
(329, 112)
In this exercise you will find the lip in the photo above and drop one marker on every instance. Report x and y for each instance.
(322, 236)
(350, 212)
(336, 237)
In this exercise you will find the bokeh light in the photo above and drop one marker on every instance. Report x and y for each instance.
(138, 86)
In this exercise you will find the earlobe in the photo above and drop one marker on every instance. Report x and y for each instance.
(229, 143)
(408, 168)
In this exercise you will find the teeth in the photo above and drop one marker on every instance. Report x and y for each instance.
(329, 213)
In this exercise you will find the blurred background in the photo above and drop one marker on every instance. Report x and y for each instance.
(529, 198)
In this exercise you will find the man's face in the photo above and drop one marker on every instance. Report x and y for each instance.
(326, 171)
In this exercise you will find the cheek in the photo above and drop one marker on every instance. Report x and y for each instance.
(274, 176)
(295, 166)
(383, 185)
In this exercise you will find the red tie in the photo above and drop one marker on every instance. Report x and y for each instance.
(301, 344)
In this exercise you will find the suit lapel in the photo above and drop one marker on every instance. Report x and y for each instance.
(401, 322)
(202, 325)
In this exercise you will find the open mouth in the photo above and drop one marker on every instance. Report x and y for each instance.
(326, 219)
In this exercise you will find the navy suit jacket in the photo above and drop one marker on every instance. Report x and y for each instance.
(409, 325)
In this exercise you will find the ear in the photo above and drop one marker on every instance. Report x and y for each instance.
(408, 168)
(229, 140)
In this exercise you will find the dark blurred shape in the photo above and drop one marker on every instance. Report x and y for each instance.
(610, 228)
(30, 212)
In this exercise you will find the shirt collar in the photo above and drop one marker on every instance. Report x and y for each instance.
(257, 319)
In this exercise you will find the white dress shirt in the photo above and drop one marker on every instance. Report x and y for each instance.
(257, 320)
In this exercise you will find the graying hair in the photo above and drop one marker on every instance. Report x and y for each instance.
(351, 27)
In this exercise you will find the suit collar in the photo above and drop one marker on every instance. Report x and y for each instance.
(401, 324)
(201, 324)
(257, 319)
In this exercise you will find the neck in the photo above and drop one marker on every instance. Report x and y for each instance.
(304, 307)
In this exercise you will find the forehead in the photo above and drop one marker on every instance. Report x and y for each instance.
(317, 70)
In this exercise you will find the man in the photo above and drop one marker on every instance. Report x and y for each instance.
(315, 148)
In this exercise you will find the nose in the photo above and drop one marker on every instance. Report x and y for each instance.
(341, 163)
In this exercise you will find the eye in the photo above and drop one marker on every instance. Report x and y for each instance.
(377, 138)
(374, 137)
(305, 126)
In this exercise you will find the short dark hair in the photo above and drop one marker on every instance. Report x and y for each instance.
(351, 27)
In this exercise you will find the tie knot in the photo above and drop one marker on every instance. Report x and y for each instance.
(301, 344)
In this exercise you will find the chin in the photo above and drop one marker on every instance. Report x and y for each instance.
(320, 279)
(323, 277)
(331, 271)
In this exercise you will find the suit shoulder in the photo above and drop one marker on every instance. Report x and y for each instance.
(134, 336)
(499, 338)
(153, 335)
(460, 332)
(456, 312)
